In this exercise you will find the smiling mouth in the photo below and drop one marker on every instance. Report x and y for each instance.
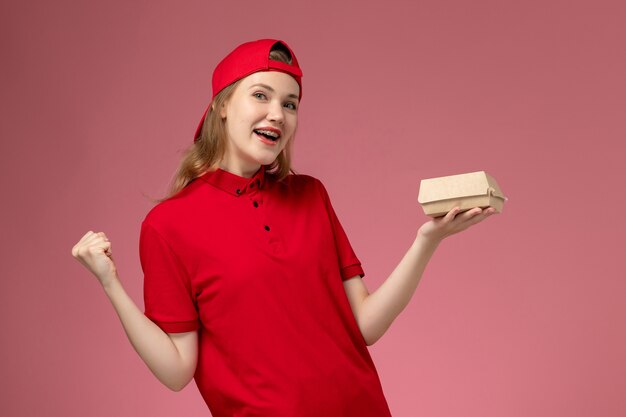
(269, 135)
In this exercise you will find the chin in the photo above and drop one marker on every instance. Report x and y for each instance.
(267, 160)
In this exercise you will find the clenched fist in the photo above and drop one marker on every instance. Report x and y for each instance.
(93, 250)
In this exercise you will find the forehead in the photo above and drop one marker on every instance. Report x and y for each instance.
(280, 82)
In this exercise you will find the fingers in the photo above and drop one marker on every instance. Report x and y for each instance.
(469, 217)
(107, 247)
(90, 236)
(470, 214)
(92, 240)
(97, 237)
(451, 214)
(480, 215)
(454, 214)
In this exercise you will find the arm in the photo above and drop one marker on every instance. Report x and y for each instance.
(171, 357)
(375, 312)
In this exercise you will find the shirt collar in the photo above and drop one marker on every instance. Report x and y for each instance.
(234, 184)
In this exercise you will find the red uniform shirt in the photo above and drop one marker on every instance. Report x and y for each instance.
(258, 267)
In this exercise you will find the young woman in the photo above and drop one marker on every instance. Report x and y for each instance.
(250, 283)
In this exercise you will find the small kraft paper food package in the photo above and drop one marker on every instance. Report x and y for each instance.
(438, 196)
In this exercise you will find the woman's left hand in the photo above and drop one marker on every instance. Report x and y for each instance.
(454, 222)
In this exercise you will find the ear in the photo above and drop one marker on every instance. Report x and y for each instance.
(222, 110)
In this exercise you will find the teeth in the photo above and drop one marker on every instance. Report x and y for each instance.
(268, 133)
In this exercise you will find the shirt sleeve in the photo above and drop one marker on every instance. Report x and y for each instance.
(349, 264)
(166, 287)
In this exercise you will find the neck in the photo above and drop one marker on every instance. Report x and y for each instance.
(245, 172)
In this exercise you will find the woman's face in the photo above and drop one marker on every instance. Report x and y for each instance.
(261, 116)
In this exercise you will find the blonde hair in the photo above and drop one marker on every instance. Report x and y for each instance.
(205, 153)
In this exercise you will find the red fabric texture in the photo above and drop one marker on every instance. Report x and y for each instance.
(257, 266)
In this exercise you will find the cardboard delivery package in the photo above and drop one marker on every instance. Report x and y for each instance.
(438, 196)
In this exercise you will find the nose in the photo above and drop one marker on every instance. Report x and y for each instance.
(275, 112)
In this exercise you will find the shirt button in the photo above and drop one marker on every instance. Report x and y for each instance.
(252, 185)
(267, 228)
(255, 204)
(238, 191)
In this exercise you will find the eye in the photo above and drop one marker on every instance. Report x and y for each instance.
(291, 105)
(259, 95)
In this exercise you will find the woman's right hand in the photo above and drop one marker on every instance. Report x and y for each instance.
(93, 250)
(172, 358)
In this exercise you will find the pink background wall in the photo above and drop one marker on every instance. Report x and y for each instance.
(523, 315)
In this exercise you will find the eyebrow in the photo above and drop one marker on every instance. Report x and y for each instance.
(272, 90)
